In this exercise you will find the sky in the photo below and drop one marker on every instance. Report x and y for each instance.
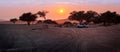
(15, 8)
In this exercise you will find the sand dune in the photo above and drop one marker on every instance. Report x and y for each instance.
(54, 39)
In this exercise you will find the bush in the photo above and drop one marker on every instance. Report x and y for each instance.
(67, 24)
(49, 22)
(39, 21)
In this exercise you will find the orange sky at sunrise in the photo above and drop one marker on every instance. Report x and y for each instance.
(8, 11)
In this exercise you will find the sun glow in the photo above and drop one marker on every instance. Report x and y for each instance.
(61, 11)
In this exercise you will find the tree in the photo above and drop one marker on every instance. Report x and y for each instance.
(108, 17)
(97, 20)
(42, 14)
(91, 16)
(117, 19)
(79, 16)
(14, 20)
(29, 17)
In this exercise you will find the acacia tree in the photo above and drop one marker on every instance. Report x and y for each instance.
(28, 17)
(79, 16)
(108, 17)
(117, 19)
(14, 20)
(42, 14)
(91, 16)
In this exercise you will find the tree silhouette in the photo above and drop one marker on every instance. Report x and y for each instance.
(117, 19)
(29, 17)
(79, 16)
(14, 20)
(91, 16)
(42, 14)
(97, 20)
(108, 17)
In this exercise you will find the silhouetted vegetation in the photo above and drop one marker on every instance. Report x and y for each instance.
(91, 15)
(40, 21)
(106, 18)
(67, 24)
(109, 17)
(79, 16)
(49, 22)
(29, 17)
(42, 14)
(14, 20)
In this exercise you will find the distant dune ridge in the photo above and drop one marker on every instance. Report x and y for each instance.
(55, 39)
(61, 21)
(66, 20)
(5, 22)
(2, 20)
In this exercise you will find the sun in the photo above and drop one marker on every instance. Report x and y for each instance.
(61, 11)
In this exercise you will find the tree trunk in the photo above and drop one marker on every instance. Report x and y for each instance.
(80, 21)
(14, 22)
(44, 18)
(28, 23)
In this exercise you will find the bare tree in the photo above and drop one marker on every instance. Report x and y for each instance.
(42, 14)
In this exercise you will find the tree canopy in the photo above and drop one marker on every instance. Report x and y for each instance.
(29, 17)
(107, 17)
(14, 20)
(79, 16)
(42, 14)
(110, 17)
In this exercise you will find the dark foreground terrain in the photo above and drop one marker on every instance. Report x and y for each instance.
(23, 38)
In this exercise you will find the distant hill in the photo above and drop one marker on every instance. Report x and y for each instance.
(2, 20)
(5, 22)
(61, 21)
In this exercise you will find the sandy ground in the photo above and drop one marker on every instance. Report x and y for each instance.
(54, 39)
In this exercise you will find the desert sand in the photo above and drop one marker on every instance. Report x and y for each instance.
(23, 38)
